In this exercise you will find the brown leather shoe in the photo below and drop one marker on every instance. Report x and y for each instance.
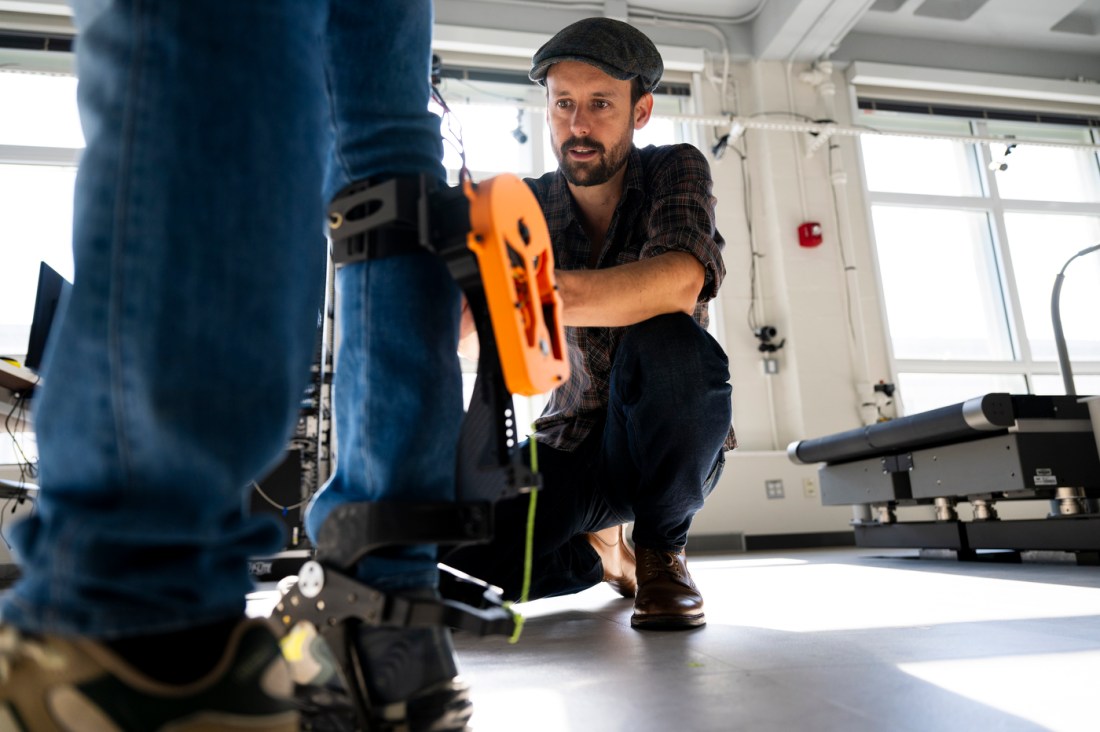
(619, 565)
(667, 597)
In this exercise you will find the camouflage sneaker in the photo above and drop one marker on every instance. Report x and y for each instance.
(53, 684)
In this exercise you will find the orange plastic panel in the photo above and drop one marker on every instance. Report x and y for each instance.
(509, 237)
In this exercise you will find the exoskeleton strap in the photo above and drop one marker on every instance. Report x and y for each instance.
(494, 240)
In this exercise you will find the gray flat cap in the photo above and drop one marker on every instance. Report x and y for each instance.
(616, 48)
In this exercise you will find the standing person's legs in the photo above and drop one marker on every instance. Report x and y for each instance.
(175, 373)
(398, 388)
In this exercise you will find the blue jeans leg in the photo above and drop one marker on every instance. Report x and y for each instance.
(377, 58)
(398, 389)
(398, 401)
(217, 132)
(174, 376)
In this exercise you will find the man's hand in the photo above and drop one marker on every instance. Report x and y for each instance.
(630, 293)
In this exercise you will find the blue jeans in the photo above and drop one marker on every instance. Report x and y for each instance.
(657, 456)
(217, 131)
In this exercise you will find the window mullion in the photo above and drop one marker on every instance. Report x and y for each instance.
(943, 366)
(962, 203)
(32, 155)
(1010, 297)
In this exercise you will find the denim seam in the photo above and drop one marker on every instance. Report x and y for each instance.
(116, 356)
(334, 126)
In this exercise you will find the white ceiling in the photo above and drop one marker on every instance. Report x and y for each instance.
(1042, 38)
(1057, 38)
(1072, 25)
(1055, 25)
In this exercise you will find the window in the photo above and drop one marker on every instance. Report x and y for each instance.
(39, 148)
(969, 237)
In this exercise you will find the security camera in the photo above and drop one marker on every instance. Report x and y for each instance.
(764, 334)
(1001, 163)
(518, 133)
(436, 74)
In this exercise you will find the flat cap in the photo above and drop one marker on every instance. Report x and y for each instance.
(618, 49)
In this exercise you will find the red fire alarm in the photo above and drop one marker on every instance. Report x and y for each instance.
(809, 234)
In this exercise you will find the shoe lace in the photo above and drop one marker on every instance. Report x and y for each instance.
(15, 646)
(663, 562)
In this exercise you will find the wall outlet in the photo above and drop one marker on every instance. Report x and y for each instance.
(774, 489)
(809, 487)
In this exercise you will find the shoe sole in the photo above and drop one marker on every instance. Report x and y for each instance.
(445, 707)
(627, 591)
(668, 622)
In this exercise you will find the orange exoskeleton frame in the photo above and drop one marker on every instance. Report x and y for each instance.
(508, 235)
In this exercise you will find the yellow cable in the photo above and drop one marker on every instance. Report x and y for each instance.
(529, 544)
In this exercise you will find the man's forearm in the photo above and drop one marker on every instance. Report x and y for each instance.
(630, 293)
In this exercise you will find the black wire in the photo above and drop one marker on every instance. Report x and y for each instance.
(746, 195)
(796, 115)
(284, 509)
(450, 117)
(27, 469)
(18, 413)
(486, 92)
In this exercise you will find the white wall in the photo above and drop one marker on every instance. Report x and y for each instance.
(825, 373)
(739, 504)
(827, 367)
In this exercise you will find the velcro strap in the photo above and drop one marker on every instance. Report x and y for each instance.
(375, 220)
(354, 530)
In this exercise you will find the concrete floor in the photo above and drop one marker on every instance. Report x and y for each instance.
(822, 640)
(810, 640)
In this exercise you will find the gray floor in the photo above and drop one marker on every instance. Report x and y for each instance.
(845, 639)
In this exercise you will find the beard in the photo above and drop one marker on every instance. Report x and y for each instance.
(597, 171)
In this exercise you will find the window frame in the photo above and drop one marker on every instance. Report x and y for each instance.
(994, 207)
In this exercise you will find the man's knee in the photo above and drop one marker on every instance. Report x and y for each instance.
(675, 341)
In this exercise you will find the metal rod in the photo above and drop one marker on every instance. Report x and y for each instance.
(1056, 319)
(1060, 336)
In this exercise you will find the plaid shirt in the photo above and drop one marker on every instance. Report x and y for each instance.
(666, 206)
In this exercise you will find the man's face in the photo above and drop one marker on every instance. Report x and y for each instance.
(591, 120)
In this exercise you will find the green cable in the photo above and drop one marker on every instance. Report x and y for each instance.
(529, 544)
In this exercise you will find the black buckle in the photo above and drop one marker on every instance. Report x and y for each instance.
(374, 220)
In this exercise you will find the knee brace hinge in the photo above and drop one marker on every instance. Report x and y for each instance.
(494, 240)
